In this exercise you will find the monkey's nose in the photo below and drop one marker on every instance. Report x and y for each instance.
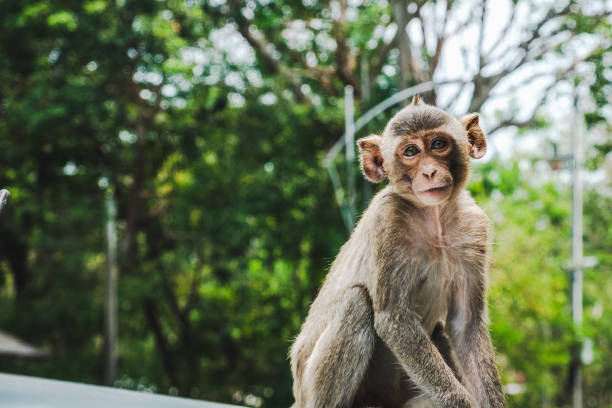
(429, 172)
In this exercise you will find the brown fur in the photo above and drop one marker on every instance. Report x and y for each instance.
(401, 316)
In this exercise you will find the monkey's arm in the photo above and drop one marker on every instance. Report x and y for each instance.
(330, 373)
(470, 336)
(405, 336)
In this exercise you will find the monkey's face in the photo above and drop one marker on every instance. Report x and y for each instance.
(424, 153)
(422, 167)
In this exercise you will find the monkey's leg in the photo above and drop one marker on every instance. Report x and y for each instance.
(475, 353)
(421, 360)
(443, 343)
(440, 339)
(469, 334)
(341, 355)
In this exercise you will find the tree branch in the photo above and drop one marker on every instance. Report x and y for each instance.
(531, 120)
(483, 13)
(421, 74)
(345, 60)
(456, 95)
(503, 35)
(535, 32)
(260, 45)
(440, 41)
(193, 291)
(150, 311)
(408, 62)
(484, 85)
(400, 15)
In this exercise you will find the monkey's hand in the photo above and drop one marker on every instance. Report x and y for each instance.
(419, 357)
(454, 399)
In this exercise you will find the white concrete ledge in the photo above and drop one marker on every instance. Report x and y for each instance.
(17, 391)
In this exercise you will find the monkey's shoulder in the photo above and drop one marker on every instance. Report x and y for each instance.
(467, 214)
(388, 208)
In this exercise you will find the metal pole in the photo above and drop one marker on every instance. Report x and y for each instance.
(4, 195)
(383, 106)
(365, 99)
(577, 261)
(111, 289)
(340, 200)
(349, 124)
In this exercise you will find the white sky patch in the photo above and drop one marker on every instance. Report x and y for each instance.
(142, 76)
(194, 55)
(317, 24)
(103, 182)
(127, 137)
(389, 70)
(53, 55)
(389, 33)
(216, 3)
(70, 169)
(92, 65)
(214, 75)
(311, 59)
(324, 41)
(268, 98)
(415, 34)
(147, 95)
(247, 13)
(298, 37)
(169, 91)
(167, 15)
(235, 99)
(181, 82)
(501, 144)
(254, 77)
(229, 41)
(234, 80)
(179, 103)
(336, 11)
(198, 70)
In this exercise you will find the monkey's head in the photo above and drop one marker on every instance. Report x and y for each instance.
(424, 152)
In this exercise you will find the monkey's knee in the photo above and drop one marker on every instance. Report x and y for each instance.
(298, 355)
(358, 305)
(351, 327)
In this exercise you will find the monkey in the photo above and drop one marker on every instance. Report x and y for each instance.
(402, 314)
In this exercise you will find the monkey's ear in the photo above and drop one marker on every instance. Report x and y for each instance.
(371, 158)
(476, 137)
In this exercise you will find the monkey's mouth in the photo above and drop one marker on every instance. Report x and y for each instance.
(435, 195)
(436, 190)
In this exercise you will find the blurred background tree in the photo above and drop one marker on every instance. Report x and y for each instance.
(208, 121)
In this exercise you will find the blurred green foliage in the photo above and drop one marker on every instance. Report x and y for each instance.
(227, 220)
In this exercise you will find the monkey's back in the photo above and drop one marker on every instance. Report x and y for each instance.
(356, 258)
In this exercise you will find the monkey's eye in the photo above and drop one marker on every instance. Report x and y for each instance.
(411, 151)
(438, 144)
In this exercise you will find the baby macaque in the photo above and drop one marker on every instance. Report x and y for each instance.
(402, 314)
